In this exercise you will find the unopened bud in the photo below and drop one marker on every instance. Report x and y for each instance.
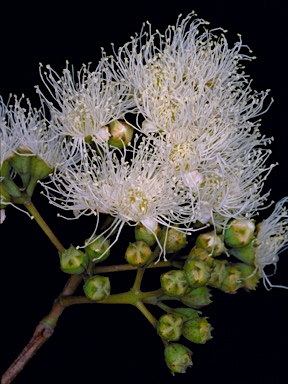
(121, 134)
(138, 253)
(245, 254)
(218, 273)
(98, 250)
(73, 261)
(21, 164)
(97, 288)
(197, 297)
(249, 276)
(201, 254)
(211, 242)
(39, 170)
(169, 327)
(142, 233)
(239, 233)
(197, 272)
(178, 357)
(197, 330)
(174, 282)
(174, 240)
(232, 281)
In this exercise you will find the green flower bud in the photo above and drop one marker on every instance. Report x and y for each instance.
(201, 254)
(138, 253)
(175, 240)
(22, 165)
(249, 276)
(177, 357)
(218, 273)
(121, 134)
(7, 183)
(232, 281)
(39, 171)
(73, 261)
(197, 272)
(169, 327)
(211, 242)
(144, 234)
(197, 298)
(239, 233)
(197, 330)
(245, 254)
(97, 288)
(97, 249)
(186, 313)
(174, 282)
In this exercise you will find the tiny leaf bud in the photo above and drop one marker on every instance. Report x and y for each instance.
(239, 233)
(177, 357)
(174, 282)
(169, 327)
(138, 253)
(97, 288)
(197, 298)
(211, 242)
(97, 249)
(73, 261)
(197, 330)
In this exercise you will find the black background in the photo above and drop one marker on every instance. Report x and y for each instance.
(116, 344)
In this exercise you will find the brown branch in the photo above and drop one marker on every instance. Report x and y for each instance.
(43, 332)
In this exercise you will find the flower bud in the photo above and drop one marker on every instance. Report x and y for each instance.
(201, 254)
(73, 261)
(22, 165)
(138, 253)
(97, 288)
(169, 327)
(232, 281)
(239, 233)
(218, 273)
(177, 357)
(5, 198)
(197, 330)
(175, 240)
(197, 272)
(97, 249)
(121, 134)
(197, 298)
(186, 313)
(249, 276)
(245, 254)
(39, 170)
(144, 234)
(7, 183)
(211, 242)
(174, 282)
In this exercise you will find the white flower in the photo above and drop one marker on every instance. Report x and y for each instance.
(271, 240)
(85, 104)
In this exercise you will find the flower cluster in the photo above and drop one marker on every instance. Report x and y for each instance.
(197, 160)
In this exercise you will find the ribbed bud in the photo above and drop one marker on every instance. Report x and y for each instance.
(97, 288)
(169, 327)
(121, 134)
(197, 298)
(138, 253)
(175, 240)
(201, 254)
(73, 261)
(232, 281)
(249, 276)
(211, 242)
(98, 250)
(239, 233)
(186, 313)
(178, 358)
(245, 254)
(197, 330)
(174, 282)
(218, 273)
(144, 234)
(197, 272)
